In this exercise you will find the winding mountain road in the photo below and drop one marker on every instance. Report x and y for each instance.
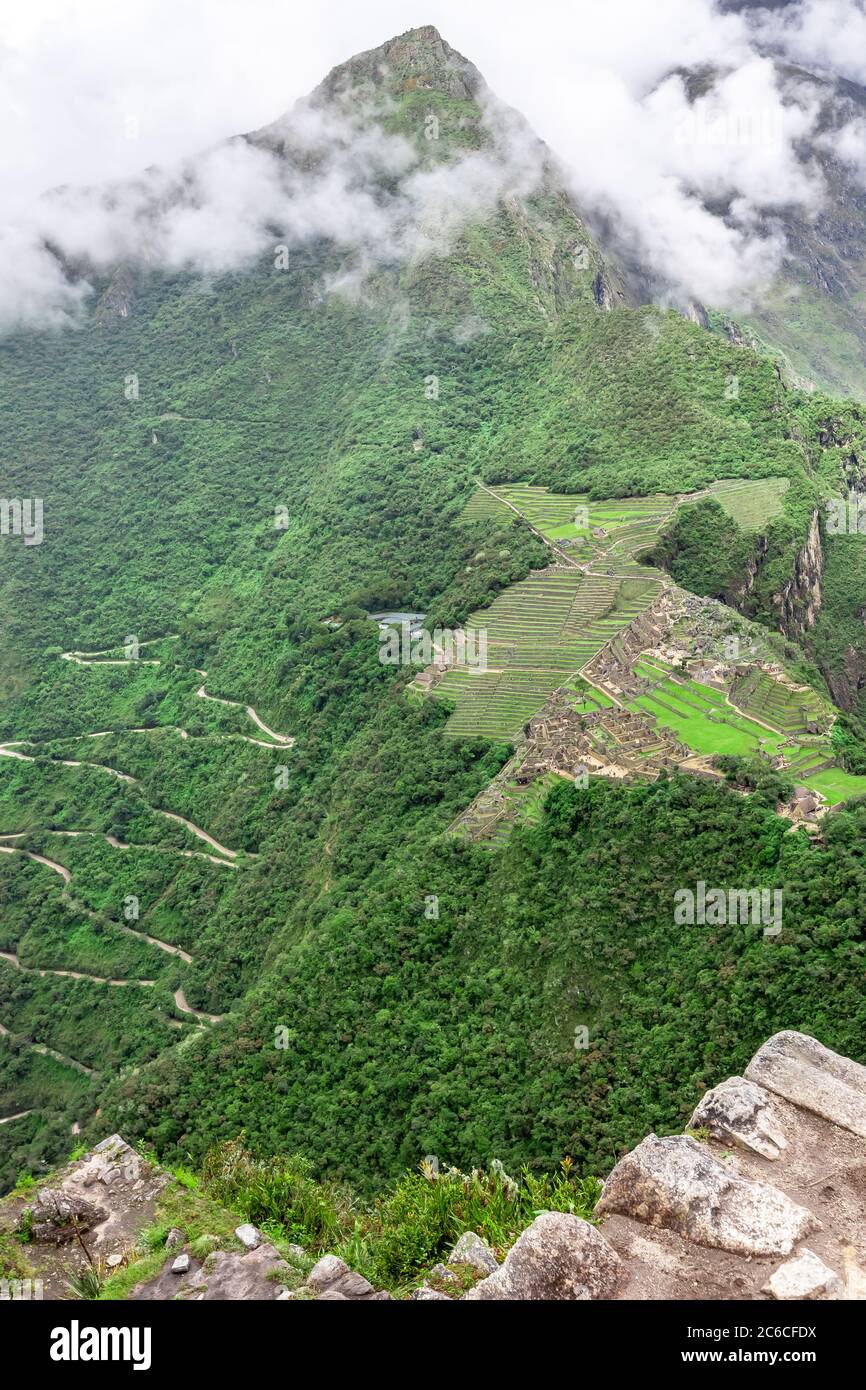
(71, 974)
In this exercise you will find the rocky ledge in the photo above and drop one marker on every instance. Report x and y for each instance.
(764, 1197)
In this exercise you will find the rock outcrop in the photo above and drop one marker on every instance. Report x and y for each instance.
(769, 1205)
(811, 1076)
(739, 1112)
(764, 1199)
(801, 597)
(678, 1184)
(558, 1257)
(806, 1277)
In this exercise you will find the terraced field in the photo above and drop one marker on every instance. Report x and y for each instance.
(751, 502)
(700, 716)
(481, 505)
(506, 803)
(631, 522)
(836, 785)
(493, 704)
(775, 703)
(546, 628)
(539, 632)
(571, 516)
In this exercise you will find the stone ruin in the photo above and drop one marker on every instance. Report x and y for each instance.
(611, 742)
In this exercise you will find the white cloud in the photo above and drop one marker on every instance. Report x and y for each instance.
(94, 95)
(829, 34)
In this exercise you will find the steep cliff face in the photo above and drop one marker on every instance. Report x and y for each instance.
(737, 596)
(847, 681)
(800, 599)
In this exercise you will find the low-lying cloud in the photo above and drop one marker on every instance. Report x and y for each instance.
(670, 121)
(347, 182)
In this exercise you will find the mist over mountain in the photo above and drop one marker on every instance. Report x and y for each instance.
(723, 166)
(431, 554)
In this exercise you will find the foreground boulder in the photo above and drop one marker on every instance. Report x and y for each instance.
(58, 1216)
(678, 1184)
(226, 1275)
(807, 1074)
(558, 1257)
(739, 1112)
(332, 1280)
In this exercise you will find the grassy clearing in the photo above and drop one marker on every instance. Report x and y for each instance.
(699, 715)
(751, 503)
(836, 785)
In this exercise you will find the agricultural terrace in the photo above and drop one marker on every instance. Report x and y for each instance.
(539, 632)
(570, 518)
(701, 717)
(751, 502)
(504, 804)
(631, 523)
(772, 702)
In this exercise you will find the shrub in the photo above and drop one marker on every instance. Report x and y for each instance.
(426, 1212)
(275, 1191)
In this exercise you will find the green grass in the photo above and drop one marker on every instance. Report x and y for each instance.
(836, 785)
(699, 716)
(752, 503)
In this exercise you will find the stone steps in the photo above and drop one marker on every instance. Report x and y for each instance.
(769, 1204)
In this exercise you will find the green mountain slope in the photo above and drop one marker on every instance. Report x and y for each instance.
(292, 458)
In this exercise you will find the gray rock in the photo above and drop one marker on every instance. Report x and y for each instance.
(443, 1272)
(676, 1183)
(472, 1250)
(114, 1260)
(803, 1071)
(180, 1265)
(56, 1216)
(331, 1277)
(739, 1112)
(227, 1275)
(558, 1257)
(174, 1237)
(113, 1144)
(166, 1285)
(424, 1295)
(332, 1296)
(805, 1277)
(296, 1252)
(353, 1285)
(327, 1271)
(248, 1236)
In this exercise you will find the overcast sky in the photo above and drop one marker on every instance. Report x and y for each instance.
(98, 90)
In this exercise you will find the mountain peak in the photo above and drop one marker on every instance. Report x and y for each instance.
(420, 59)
